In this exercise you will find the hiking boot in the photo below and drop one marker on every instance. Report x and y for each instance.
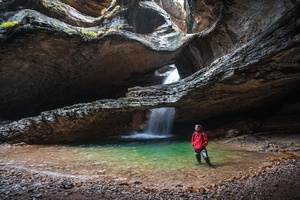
(208, 162)
(198, 158)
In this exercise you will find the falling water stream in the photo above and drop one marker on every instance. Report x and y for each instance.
(161, 119)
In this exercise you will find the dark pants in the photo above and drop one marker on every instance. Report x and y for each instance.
(204, 154)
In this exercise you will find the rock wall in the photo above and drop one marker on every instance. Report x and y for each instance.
(55, 55)
(239, 76)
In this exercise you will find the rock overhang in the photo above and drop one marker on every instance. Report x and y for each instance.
(260, 72)
(60, 60)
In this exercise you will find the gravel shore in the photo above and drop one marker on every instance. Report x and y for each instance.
(278, 178)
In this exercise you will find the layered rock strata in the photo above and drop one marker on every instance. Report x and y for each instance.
(249, 77)
(53, 55)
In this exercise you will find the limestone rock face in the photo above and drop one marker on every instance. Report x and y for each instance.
(56, 55)
(240, 67)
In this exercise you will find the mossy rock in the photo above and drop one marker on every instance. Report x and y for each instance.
(9, 24)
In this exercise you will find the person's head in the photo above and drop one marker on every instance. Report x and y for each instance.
(198, 128)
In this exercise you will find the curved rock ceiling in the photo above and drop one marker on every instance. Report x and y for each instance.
(57, 55)
(235, 58)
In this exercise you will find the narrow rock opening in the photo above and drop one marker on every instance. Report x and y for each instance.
(145, 20)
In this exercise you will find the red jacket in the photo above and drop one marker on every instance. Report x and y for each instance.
(199, 140)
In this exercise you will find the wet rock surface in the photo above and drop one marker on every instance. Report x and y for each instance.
(259, 84)
(276, 178)
(53, 55)
(253, 72)
(240, 77)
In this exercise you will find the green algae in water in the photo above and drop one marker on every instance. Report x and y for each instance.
(168, 154)
(156, 162)
(168, 161)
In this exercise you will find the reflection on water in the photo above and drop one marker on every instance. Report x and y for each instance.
(145, 136)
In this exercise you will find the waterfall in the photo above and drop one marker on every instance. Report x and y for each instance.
(190, 21)
(161, 119)
(172, 77)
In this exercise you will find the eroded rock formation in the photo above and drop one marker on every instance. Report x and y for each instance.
(56, 56)
(240, 69)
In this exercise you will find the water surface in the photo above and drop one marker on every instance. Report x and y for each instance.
(166, 161)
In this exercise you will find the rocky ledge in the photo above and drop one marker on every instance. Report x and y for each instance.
(245, 85)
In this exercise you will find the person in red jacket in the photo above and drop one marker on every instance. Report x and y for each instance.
(199, 142)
